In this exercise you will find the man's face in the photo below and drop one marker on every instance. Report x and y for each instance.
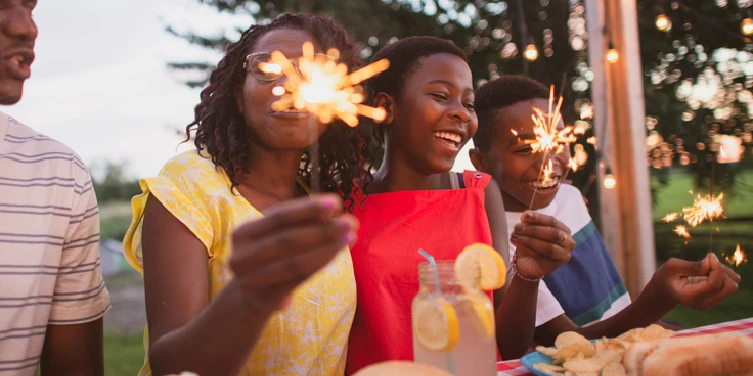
(513, 164)
(17, 35)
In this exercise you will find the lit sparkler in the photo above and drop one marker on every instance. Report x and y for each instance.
(547, 173)
(323, 87)
(682, 231)
(573, 164)
(704, 208)
(548, 137)
(670, 217)
(737, 258)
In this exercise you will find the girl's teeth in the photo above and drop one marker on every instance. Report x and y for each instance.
(448, 136)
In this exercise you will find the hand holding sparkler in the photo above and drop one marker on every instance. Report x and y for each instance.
(699, 285)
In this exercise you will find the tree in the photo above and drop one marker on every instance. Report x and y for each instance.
(495, 33)
(114, 185)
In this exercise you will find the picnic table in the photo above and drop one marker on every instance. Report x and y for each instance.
(744, 326)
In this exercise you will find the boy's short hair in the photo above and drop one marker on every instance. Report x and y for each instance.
(502, 92)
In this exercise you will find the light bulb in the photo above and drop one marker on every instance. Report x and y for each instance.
(663, 23)
(746, 25)
(613, 55)
(609, 181)
(531, 53)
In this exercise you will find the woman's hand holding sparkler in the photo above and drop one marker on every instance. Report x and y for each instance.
(274, 254)
(542, 244)
(699, 285)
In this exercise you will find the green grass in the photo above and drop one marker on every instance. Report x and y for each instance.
(738, 306)
(675, 195)
(735, 228)
(124, 354)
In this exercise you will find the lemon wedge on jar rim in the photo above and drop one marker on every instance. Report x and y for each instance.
(481, 258)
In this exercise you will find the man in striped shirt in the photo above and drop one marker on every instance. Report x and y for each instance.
(52, 295)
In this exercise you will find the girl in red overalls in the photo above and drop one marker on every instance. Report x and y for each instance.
(414, 201)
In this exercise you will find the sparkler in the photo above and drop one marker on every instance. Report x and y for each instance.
(573, 164)
(682, 231)
(704, 208)
(670, 217)
(737, 258)
(548, 138)
(547, 173)
(322, 86)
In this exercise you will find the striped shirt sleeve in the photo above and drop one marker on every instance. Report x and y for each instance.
(80, 294)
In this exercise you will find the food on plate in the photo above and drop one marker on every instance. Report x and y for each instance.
(707, 355)
(613, 369)
(400, 368)
(574, 355)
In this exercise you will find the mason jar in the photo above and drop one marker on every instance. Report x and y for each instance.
(453, 323)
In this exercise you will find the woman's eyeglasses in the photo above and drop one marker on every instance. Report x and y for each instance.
(264, 69)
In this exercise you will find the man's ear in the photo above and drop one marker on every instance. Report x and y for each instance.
(477, 158)
(385, 101)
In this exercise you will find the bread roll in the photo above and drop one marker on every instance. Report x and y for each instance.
(707, 355)
(400, 368)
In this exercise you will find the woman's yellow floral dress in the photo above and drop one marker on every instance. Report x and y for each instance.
(310, 336)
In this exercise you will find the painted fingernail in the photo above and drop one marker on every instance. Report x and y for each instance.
(529, 215)
(348, 238)
(515, 236)
(520, 227)
(328, 203)
(344, 223)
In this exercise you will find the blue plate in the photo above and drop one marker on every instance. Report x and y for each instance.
(535, 357)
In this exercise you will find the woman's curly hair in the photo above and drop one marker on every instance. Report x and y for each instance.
(344, 152)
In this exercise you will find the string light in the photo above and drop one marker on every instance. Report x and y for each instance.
(531, 52)
(612, 54)
(663, 23)
(746, 26)
(609, 181)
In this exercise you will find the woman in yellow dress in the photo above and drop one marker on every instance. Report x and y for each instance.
(231, 291)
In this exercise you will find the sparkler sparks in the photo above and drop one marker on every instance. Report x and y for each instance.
(670, 217)
(321, 85)
(737, 258)
(682, 231)
(704, 208)
(547, 173)
(573, 164)
(548, 137)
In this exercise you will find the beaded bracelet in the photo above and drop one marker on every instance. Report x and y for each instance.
(517, 273)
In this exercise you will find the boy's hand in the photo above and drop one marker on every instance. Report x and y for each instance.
(699, 285)
(542, 243)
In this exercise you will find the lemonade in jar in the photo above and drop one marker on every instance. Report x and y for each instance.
(453, 319)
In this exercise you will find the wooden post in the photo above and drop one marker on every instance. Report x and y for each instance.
(619, 124)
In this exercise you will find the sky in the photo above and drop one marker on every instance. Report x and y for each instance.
(101, 85)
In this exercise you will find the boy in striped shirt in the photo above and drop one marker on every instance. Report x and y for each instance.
(587, 294)
(52, 295)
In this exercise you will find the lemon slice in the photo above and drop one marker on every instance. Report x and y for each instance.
(435, 324)
(481, 257)
(481, 311)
